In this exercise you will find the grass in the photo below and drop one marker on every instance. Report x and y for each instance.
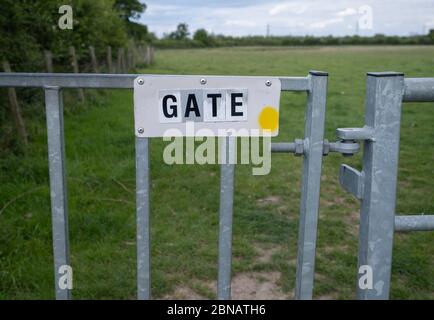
(101, 184)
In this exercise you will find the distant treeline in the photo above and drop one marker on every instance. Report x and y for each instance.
(63, 36)
(27, 28)
(201, 38)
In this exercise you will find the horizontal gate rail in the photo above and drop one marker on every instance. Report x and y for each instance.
(418, 90)
(315, 85)
(107, 81)
(414, 223)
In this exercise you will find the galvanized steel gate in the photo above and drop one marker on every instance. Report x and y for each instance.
(385, 92)
(376, 184)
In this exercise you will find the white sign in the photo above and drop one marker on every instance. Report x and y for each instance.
(213, 105)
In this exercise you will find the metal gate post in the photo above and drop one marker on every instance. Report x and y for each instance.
(142, 220)
(313, 153)
(384, 93)
(227, 172)
(58, 194)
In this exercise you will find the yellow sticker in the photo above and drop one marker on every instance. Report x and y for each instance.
(269, 118)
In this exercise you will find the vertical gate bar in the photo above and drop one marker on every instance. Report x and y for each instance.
(142, 219)
(227, 172)
(384, 92)
(58, 193)
(313, 153)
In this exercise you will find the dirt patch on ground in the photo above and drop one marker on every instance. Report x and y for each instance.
(325, 203)
(265, 254)
(257, 286)
(246, 285)
(268, 200)
(183, 293)
(276, 201)
(329, 296)
(335, 248)
(352, 221)
(334, 202)
(319, 277)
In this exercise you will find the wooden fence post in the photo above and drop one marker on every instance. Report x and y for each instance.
(48, 61)
(93, 59)
(152, 56)
(120, 64)
(124, 61)
(109, 60)
(143, 54)
(125, 65)
(75, 67)
(139, 55)
(132, 58)
(118, 61)
(148, 55)
(128, 59)
(15, 108)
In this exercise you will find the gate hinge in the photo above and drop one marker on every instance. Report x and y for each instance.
(365, 133)
(347, 147)
(352, 180)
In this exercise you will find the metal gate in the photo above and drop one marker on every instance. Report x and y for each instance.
(376, 184)
(384, 95)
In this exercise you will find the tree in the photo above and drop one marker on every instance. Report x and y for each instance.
(132, 10)
(129, 9)
(28, 27)
(181, 32)
(202, 36)
(138, 31)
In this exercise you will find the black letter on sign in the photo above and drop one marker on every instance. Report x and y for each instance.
(191, 99)
(172, 107)
(235, 103)
(214, 97)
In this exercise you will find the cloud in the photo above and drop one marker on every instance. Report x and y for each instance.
(325, 23)
(240, 23)
(161, 9)
(296, 8)
(295, 17)
(347, 12)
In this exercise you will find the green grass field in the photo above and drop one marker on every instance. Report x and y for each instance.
(185, 198)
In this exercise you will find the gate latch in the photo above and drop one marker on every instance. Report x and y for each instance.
(352, 180)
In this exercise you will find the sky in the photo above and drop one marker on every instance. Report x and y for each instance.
(292, 17)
